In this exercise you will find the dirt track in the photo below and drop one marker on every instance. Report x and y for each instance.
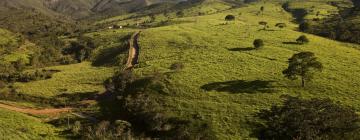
(134, 50)
(36, 111)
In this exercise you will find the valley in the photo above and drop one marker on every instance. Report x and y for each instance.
(108, 69)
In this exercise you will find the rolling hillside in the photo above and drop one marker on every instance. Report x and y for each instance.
(207, 72)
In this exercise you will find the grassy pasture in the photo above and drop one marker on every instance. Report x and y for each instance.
(225, 81)
(77, 79)
(17, 126)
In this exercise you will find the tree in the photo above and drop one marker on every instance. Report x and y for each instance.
(258, 43)
(263, 23)
(120, 81)
(308, 119)
(230, 18)
(262, 8)
(302, 39)
(302, 64)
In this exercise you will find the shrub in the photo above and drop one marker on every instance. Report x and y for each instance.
(304, 119)
(177, 66)
(302, 40)
(180, 14)
(230, 18)
(258, 43)
(280, 25)
(304, 26)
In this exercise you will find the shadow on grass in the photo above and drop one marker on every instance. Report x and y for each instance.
(292, 43)
(241, 49)
(241, 86)
(109, 56)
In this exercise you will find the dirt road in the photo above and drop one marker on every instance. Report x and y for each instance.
(134, 50)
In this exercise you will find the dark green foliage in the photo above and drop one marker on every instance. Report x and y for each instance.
(314, 119)
(142, 100)
(303, 64)
(18, 76)
(120, 81)
(80, 49)
(302, 40)
(258, 43)
(105, 130)
(304, 26)
(230, 18)
(180, 14)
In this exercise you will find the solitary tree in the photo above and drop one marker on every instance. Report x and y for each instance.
(230, 18)
(302, 64)
(258, 43)
(314, 119)
(262, 8)
(264, 24)
(302, 39)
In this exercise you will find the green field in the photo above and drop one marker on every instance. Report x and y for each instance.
(17, 126)
(225, 80)
(76, 79)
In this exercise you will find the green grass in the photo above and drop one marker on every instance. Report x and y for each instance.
(217, 55)
(17, 126)
(75, 79)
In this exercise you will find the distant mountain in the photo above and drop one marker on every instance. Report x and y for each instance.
(80, 8)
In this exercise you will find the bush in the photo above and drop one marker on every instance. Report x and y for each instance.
(177, 66)
(230, 18)
(258, 43)
(280, 25)
(304, 26)
(303, 119)
(302, 40)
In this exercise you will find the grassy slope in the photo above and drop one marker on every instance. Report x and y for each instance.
(214, 53)
(207, 49)
(76, 79)
(17, 126)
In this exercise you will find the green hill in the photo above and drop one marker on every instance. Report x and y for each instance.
(17, 126)
(219, 77)
(225, 81)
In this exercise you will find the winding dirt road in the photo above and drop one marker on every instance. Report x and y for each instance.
(53, 111)
(134, 51)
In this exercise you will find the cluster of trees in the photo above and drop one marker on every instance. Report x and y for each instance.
(141, 100)
(337, 27)
(26, 76)
(80, 50)
(308, 119)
